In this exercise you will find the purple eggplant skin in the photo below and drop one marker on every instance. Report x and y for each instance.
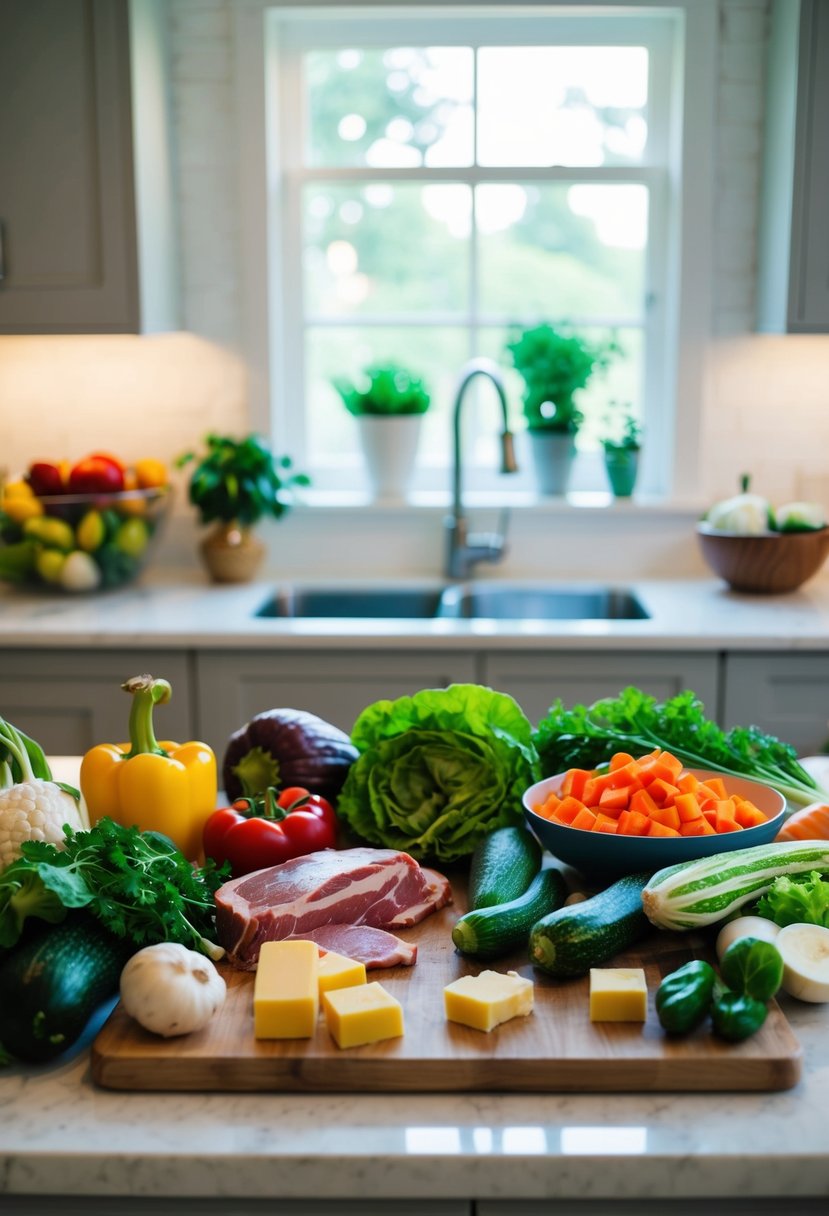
(298, 747)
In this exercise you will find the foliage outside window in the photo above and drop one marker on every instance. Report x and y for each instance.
(446, 184)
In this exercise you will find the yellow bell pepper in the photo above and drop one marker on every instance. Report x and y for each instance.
(162, 787)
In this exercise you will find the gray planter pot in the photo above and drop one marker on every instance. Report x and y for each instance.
(553, 453)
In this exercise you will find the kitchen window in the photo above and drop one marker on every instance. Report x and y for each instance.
(438, 182)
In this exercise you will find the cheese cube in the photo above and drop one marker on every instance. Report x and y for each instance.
(286, 990)
(618, 994)
(486, 1000)
(362, 1014)
(337, 971)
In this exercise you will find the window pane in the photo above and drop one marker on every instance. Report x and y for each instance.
(400, 108)
(386, 248)
(434, 354)
(570, 105)
(562, 250)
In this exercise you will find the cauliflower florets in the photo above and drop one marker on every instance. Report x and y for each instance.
(34, 810)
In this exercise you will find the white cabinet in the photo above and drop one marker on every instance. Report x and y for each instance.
(793, 276)
(234, 685)
(70, 700)
(784, 694)
(536, 679)
(73, 229)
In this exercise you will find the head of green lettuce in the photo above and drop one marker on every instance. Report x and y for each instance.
(438, 771)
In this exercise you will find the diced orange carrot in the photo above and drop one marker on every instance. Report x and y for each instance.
(660, 767)
(662, 791)
(655, 828)
(605, 823)
(668, 816)
(574, 782)
(687, 807)
(567, 810)
(709, 814)
(725, 806)
(717, 785)
(725, 822)
(696, 827)
(611, 799)
(548, 806)
(633, 823)
(673, 764)
(585, 819)
(748, 815)
(687, 783)
(642, 802)
(619, 760)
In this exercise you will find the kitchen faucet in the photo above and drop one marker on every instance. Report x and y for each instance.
(464, 548)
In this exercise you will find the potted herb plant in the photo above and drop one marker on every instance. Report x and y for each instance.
(235, 484)
(621, 451)
(388, 402)
(555, 365)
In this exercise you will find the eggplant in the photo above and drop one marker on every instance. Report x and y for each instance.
(283, 747)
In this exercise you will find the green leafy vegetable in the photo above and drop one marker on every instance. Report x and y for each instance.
(137, 884)
(439, 770)
(584, 736)
(797, 901)
(753, 967)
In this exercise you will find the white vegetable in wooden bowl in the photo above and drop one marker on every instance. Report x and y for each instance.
(745, 926)
(171, 990)
(805, 953)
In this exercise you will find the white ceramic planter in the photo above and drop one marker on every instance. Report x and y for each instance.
(553, 455)
(390, 452)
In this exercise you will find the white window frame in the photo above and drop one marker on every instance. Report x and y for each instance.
(682, 205)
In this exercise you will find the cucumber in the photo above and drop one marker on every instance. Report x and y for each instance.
(697, 893)
(493, 931)
(503, 865)
(53, 981)
(575, 938)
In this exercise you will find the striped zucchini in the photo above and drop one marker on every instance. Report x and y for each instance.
(697, 893)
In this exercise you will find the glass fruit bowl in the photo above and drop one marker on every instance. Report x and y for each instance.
(79, 542)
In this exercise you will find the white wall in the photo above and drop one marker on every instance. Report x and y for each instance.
(766, 410)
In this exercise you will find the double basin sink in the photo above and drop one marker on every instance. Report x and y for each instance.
(460, 602)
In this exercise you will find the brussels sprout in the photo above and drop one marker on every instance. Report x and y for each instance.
(753, 967)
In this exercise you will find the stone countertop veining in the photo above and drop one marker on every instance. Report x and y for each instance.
(183, 611)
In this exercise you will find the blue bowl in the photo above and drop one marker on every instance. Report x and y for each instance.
(605, 855)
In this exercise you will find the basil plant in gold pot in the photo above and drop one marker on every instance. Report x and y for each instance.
(236, 483)
(388, 402)
(555, 365)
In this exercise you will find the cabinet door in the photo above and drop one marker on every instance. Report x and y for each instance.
(536, 679)
(66, 185)
(786, 695)
(70, 701)
(235, 685)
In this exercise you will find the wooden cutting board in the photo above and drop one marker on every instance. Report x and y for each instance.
(555, 1048)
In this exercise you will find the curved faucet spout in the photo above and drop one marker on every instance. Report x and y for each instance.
(463, 551)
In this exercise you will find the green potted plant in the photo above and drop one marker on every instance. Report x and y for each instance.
(235, 484)
(621, 450)
(388, 402)
(555, 364)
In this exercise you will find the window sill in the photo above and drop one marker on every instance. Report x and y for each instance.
(593, 502)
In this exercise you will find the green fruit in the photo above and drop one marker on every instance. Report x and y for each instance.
(753, 968)
(91, 531)
(56, 533)
(132, 537)
(49, 563)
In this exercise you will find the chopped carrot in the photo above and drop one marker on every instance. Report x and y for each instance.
(811, 823)
(619, 760)
(633, 823)
(655, 828)
(605, 823)
(663, 792)
(611, 799)
(687, 807)
(574, 782)
(641, 801)
(687, 783)
(696, 827)
(747, 814)
(668, 816)
(585, 819)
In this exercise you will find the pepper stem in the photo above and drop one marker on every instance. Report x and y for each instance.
(146, 693)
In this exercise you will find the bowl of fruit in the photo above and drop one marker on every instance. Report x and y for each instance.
(81, 527)
(642, 814)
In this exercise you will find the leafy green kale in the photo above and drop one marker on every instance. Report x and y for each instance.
(803, 899)
(439, 770)
(586, 736)
(136, 883)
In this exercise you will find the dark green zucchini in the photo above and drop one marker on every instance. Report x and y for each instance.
(52, 982)
(494, 931)
(572, 940)
(503, 866)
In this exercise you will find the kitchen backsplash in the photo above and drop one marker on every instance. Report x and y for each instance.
(766, 409)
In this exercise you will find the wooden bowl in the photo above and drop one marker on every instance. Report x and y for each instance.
(769, 563)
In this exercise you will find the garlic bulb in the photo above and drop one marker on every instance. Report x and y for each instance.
(171, 990)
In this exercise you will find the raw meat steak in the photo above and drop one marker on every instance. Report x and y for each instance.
(374, 947)
(376, 887)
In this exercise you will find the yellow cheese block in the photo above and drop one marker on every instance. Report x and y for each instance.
(286, 990)
(485, 1001)
(337, 971)
(618, 994)
(361, 1014)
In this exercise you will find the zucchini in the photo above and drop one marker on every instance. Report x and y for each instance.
(580, 936)
(503, 865)
(53, 981)
(697, 893)
(493, 931)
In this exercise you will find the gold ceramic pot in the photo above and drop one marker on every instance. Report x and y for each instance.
(232, 553)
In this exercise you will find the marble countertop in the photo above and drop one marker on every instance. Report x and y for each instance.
(183, 611)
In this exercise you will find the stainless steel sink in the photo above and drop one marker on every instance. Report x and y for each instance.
(504, 602)
(461, 602)
(392, 603)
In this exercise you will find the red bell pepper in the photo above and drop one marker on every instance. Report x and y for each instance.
(263, 831)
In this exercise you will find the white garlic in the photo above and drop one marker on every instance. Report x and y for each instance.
(171, 990)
